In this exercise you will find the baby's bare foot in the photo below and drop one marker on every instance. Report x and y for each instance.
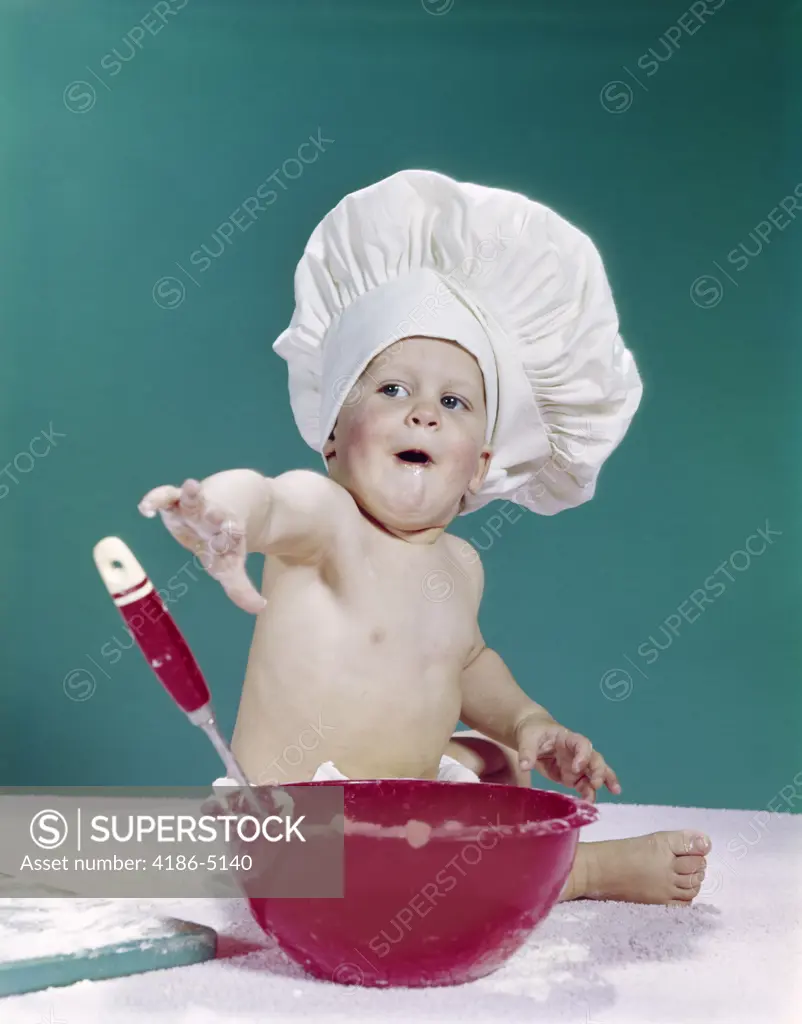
(664, 867)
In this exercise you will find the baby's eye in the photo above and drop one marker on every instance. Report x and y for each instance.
(387, 388)
(453, 398)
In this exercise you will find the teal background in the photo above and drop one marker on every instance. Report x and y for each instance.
(97, 206)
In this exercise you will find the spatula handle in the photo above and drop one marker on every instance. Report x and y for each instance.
(147, 617)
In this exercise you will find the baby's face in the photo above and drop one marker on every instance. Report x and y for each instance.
(410, 437)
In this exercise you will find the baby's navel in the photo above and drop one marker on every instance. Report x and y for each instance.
(376, 636)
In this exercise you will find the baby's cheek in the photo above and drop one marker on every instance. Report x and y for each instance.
(466, 457)
(359, 433)
(364, 433)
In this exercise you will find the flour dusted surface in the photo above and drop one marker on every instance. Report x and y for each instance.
(733, 957)
(31, 928)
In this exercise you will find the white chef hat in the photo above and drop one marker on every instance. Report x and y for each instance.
(524, 291)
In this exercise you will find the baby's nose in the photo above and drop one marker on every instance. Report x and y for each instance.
(424, 416)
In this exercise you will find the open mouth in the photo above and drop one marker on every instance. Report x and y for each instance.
(415, 457)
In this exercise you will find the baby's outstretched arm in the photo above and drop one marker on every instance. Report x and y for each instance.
(294, 516)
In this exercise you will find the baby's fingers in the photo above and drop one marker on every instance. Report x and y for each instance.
(577, 751)
(237, 584)
(159, 499)
(611, 780)
(226, 550)
(599, 773)
(191, 500)
(181, 531)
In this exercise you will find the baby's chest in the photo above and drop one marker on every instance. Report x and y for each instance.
(418, 611)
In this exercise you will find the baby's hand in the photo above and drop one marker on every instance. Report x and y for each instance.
(565, 757)
(215, 536)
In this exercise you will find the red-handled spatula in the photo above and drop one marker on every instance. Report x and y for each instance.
(165, 649)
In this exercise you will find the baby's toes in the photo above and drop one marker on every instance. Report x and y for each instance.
(690, 884)
(693, 842)
(689, 865)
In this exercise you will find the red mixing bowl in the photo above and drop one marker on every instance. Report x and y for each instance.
(444, 881)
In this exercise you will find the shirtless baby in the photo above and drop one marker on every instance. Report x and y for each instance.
(347, 636)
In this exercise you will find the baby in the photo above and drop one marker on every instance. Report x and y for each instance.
(359, 665)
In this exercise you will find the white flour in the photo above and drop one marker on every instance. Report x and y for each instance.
(47, 927)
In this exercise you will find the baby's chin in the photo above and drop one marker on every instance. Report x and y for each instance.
(404, 497)
(407, 515)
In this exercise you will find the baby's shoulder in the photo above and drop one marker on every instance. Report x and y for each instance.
(309, 489)
(466, 558)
